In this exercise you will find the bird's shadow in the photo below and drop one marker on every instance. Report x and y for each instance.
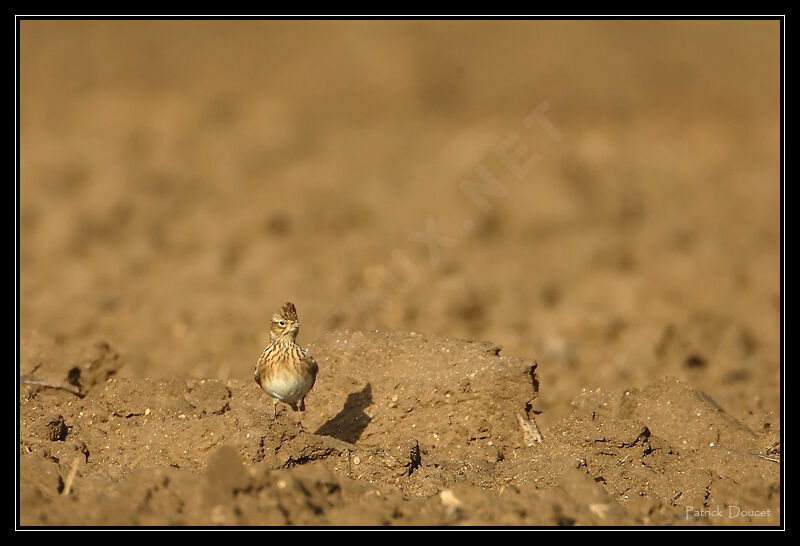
(349, 424)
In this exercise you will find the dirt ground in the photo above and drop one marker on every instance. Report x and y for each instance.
(536, 261)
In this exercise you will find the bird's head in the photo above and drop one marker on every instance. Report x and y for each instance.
(285, 323)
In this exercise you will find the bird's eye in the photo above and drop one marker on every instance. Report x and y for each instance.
(282, 323)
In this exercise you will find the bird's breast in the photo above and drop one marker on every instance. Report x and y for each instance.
(286, 374)
(288, 386)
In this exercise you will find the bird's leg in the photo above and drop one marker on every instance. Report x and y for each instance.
(274, 409)
(300, 408)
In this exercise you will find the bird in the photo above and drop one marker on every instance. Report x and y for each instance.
(286, 371)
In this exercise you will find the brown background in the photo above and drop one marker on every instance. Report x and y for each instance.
(180, 180)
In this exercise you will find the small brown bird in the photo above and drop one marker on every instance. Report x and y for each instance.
(285, 370)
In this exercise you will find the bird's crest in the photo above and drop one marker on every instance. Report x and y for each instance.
(288, 311)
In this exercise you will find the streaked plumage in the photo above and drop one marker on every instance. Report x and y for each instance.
(285, 370)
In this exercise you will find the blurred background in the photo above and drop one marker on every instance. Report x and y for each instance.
(600, 196)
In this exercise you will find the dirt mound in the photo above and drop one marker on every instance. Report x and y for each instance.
(458, 445)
